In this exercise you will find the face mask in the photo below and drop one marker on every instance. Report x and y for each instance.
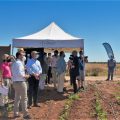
(37, 56)
(9, 60)
(64, 55)
(12, 60)
(24, 58)
(4, 60)
(55, 54)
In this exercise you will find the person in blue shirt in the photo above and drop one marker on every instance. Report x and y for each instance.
(111, 68)
(81, 78)
(61, 68)
(34, 69)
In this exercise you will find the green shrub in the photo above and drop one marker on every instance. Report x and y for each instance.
(95, 72)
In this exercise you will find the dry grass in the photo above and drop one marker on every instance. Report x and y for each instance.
(99, 69)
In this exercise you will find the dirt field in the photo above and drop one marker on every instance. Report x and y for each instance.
(52, 103)
(85, 108)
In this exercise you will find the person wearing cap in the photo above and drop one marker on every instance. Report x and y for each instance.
(54, 68)
(34, 69)
(111, 67)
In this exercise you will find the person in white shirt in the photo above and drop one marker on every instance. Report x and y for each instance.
(35, 70)
(54, 68)
(20, 86)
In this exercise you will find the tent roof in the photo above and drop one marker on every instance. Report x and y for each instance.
(51, 32)
(50, 37)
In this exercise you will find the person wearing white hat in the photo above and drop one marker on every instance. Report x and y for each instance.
(34, 69)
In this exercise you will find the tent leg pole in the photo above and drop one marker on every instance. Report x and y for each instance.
(12, 50)
(85, 82)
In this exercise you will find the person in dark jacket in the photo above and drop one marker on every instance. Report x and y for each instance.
(49, 74)
(74, 71)
(69, 66)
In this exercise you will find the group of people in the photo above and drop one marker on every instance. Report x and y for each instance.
(54, 66)
(25, 77)
(76, 66)
(57, 68)
(15, 73)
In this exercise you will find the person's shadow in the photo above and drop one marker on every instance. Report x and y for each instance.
(49, 93)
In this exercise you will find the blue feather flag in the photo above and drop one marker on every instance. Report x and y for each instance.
(109, 50)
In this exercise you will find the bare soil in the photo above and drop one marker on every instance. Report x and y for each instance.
(84, 109)
(52, 103)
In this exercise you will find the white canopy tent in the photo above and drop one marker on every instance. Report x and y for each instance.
(51, 37)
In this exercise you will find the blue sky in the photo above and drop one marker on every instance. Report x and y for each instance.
(95, 21)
